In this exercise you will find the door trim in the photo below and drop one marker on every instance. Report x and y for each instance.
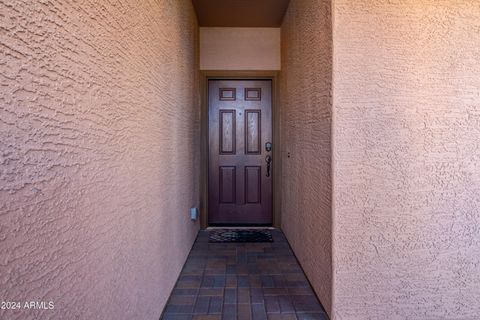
(206, 75)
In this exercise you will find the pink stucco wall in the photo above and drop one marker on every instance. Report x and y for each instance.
(305, 111)
(99, 155)
(406, 159)
(239, 48)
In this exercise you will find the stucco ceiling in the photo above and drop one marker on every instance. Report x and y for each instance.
(240, 13)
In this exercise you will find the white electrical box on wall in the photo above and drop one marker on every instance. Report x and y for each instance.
(194, 213)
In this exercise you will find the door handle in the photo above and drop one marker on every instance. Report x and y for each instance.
(268, 160)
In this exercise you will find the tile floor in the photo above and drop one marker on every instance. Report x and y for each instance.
(242, 281)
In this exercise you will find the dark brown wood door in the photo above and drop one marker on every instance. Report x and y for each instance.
(239, 178)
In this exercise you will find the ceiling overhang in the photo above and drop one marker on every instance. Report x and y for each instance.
(240, 13)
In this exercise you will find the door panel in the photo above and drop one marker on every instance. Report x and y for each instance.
(253, 184)
(227, 131)
(240, 123)
(228, 185)
(253, 131)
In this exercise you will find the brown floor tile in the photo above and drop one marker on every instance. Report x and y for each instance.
(300, 291)
(216, 304)
(177, 317)
(296, 280)
(279, 316)
(184, 292)
(267, 281)
(207, 317)
(312, 316)
(243, 295)
(285, 303)
(241, 269)
(306, 304)
(258, 311)
(178, 308)
(230, 296)
(271, 304)
(244, 311)
(211, 291)
(201, 305)
(189, 281)
(229, 312)
(213, 281)
(279, 281)
(231, 269)
(178, 299)
(231, 281)
(274, 291)
(242, 281)
(256, 295)
(255, 281)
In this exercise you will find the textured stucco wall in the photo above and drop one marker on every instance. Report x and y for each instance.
(406, 139)
(240, 48)
(305, 111)
(98, 155)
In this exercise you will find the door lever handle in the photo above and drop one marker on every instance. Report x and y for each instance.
(268, 160)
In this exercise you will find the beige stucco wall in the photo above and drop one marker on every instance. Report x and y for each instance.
(239, 48)
(98, 155)
(406, 131)
(305, 111)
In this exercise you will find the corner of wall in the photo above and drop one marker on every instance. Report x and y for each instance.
(305, 99)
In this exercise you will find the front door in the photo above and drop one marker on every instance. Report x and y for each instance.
(240, 152)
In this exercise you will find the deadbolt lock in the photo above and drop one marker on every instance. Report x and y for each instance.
(268, 146)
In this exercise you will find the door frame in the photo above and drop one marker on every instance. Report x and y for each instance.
(206, 75)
